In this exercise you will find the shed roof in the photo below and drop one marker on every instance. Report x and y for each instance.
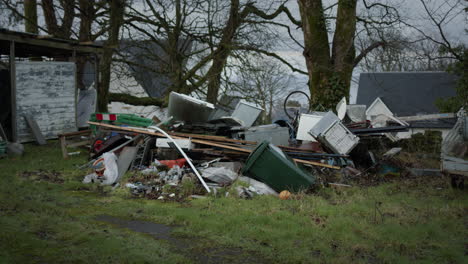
(406, 93)
(29, 45)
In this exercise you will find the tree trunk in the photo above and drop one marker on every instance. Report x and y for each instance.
(343, 52)
(222, 52)
(30, 14)
(60, 31)
(87, 15)
(316, 48)
(329, 74)
(117, 8)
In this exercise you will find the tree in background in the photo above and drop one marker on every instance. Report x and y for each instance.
(263, 82)
(30, 14)
(217, 32)
(330, 69)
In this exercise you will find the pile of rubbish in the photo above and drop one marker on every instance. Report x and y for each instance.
(201, 148)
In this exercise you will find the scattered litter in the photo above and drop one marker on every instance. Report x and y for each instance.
(203, 149)
(392, 152)
(259, 188)
(285, 195)
(219, 175)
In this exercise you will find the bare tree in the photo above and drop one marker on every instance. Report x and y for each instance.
(216, 30)
(330, 69)
(262, 81)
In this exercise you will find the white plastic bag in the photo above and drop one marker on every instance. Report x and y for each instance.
(219, 175)
(257, 187)
(112, 172)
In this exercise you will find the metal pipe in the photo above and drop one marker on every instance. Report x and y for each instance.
(183, 154)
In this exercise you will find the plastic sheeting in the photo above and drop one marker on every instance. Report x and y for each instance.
(219, 175)
(85, 107)
(455, 143)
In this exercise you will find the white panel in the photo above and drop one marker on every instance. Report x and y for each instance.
(183, 143)
(45, 90)
(307, 122)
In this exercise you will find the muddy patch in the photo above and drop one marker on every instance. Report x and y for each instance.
(185, 246)
(43, 175)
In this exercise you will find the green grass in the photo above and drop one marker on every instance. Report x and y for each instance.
(407, 221)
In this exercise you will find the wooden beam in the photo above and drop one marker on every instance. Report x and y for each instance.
(308, 162)
(214, 138)
(76, 88)
(50, 43)
(14, 135)
(427, 117)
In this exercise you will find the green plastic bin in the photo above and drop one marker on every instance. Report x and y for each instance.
(268, 164)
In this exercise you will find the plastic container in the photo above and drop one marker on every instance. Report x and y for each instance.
(268, 164)
(119, 119)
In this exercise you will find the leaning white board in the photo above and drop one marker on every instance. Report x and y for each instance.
(46, 91)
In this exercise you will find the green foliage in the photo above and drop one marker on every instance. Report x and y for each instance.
(331, 91)
(429, 142)
(453, 104)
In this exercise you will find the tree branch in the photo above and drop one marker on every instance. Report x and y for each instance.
(133, 100)
(365, 51)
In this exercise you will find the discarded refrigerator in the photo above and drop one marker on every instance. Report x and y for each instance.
(186, 108)
(331, 132)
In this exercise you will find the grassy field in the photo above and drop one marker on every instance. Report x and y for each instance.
(48, 216)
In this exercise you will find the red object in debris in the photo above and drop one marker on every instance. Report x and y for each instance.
(106, 117)
(97, 145)
(172, 163)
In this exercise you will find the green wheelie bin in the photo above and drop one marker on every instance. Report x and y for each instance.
(268, 164)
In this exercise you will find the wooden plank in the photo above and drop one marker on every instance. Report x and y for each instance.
(427, 117)
(36, 131)
(63, 145)
(76, 133)
(209, 143)
(203, 142)
(214, 138)
(78, 144)
(51, 43)
(316, 164)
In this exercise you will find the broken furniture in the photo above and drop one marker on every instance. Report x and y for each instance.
(454, 150)
(74, 140)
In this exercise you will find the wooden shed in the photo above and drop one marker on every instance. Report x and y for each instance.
(38, 77)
